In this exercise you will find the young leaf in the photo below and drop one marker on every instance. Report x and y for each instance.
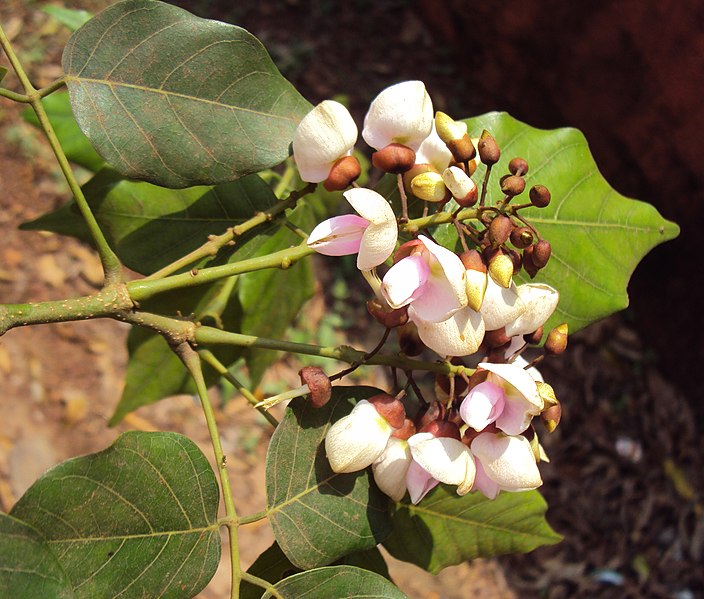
(69, 17)
(28, 567)
(215, 110)
(597, 235)
(336, 581)
(138, 519)
(319, 516)
(445, 529)
(75, 144)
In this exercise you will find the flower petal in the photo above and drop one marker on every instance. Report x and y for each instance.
(540, 301)
(370, 205)
(445, 459)
(508, 461)
(459, 335)
(338, 236)
(483, 405)
(483, 483)
(402, 113)
(501, 305)
(391, 467)
(379, 240)
(324, 135)
(434, 151)
(357, 440)
(405, 281)
(419, 482)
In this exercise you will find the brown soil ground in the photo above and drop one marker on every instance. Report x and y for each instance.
(626, 481)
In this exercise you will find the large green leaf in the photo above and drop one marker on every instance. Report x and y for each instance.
(177, 100)
(138, 519)
(74, 143)
(339, 582)
(151, 226)
(317, 515)
(597, 235)
(445, 529)
(28, 568)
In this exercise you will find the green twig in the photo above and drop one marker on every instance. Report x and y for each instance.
(260, 582)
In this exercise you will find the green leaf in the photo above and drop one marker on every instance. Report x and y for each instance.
(319, 516)
(445, 529)
(3, 72)
(151, 226)
(597, 235)
(28, 568)
(177, 100)
(138, 519)
(337, 581)
(74, 143)
(69, 17)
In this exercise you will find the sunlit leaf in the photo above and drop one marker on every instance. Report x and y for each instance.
(317, 515)
(445, 529)
(177, 100)
(71, 18)
(136, 520)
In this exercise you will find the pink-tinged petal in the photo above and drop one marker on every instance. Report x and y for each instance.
(483, 405)
(419, 482)
(325, 134)
(516, 344)
(501, 305)
(378, 243)
(540, 301)
(405, 281)
(357, 440)
(483, 483)
(391, 467)
(508, 461)
(338, 236)
(434, 151)
(445, 459)
(459, 335)
(370, 205)
(402, 113)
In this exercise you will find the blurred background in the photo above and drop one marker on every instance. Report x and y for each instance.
(626, 481)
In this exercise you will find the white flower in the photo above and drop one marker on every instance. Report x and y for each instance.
(501, 305)
(391, 468)
(540, 302)
(459, 335)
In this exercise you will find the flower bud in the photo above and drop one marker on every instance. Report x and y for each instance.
(343, 172)
(539, 196)
(535, 337)
(461, 186)
(516, 259)
(394, 158)
(496, 338)
(442, 428)
(387, 316)
(476, 278)
(556, 342)
(319, 384)
(518, 166)
(547, 394)
(521, 237)
(541, 253)
(390, 408)
(429, 187)
(513, 185)
(407, 430)
(409, 340)
(489, 151)
(500, 229)
(435, 411)
(455, 136)
(417, 169)
(501, 269)
(551, 417)
(528, 264)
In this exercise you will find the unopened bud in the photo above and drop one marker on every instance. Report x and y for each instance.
(343, 172)
(477, 280)
(551, 417)
(417, 169)
(461, 186)
(521, 237)
(556, 343)
(541, 253)
(518, 166)
(407, 430)
(406, 249)
(539, 196)
(394, 158)
(516, 259)
(535, 337)
(435, 411)
(513, 185)
(319, 384)
(547, 394)
(390, 408)
(442, 428)
(501, 269)
(454, 134)
(489, 151)
(388, 317)
(528, 264)
(496, 338)
(500, 229)
(430, 187)
(408, 339)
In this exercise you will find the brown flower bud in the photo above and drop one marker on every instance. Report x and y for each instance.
(539, 196)
(442, 428)
(541, 253)
(435, 411)
(407, 430)
(528, 264)
(390, 408)
(319, 384)
(518, 166)
(516, 259)
(556, 343)
(551, 417)
(394, 158)
(521, 237)
(500, 229)
(535, 337)
(408, 339)
(343, 172)
(489, 151)
(496, 338)
(472, 260)
(513, 185)
(388, 317)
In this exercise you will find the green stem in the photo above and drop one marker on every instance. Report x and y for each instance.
(260, 582)
(220, 368)
(439, 218)
(111, 264)
(192, 362)
(256, 517)
(286, 179)
(14, 96)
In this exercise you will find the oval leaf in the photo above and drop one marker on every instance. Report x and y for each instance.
(319, 516)
(28, 568)
(445, 529)
(339, 582)
(168, 97)
(138, 519)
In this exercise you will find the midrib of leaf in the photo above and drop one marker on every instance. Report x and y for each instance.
(145, 535)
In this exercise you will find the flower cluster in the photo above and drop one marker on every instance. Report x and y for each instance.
(480, 437)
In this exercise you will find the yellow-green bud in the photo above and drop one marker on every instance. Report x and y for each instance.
(501, 269)
(429, 187)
